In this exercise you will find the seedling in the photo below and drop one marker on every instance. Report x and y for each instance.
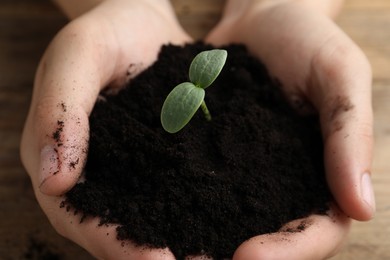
(185, 99)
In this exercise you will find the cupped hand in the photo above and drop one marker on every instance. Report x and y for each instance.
(104, 47)
(321, 70)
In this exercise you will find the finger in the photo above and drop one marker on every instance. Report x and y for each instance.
(68, 81)
(99, 240)
(315, 237)
(343, 98)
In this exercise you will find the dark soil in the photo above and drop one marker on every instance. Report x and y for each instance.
(210, 187)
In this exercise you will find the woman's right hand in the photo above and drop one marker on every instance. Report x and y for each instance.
(103, 47)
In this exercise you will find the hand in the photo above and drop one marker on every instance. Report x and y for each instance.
(320, 70)
(116, 39)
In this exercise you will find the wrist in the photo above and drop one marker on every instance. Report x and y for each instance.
(330, 8)
(75, 8)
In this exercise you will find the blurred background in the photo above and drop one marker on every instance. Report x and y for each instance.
(26, 28)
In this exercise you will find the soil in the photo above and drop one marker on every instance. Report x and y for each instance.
(256, 166)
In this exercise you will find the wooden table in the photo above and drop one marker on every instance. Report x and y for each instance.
(26, 28)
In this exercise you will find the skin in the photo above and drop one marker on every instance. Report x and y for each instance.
(322, 71)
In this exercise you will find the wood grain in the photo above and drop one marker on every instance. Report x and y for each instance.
(26, 28)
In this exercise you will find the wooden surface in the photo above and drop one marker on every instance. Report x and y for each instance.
(26, 28)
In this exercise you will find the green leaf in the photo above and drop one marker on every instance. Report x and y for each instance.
(180, 106)
(206, 67)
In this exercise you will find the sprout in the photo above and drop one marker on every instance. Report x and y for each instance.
(185, 99)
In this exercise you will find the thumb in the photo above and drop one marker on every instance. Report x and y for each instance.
(344, 102)
(62, 135)
(55, 139)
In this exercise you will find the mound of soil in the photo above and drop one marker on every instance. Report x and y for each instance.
(213, 185)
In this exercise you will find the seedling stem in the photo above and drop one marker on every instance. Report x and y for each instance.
(205, 111)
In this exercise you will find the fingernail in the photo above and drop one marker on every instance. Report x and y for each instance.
(367, 191)
(49, 163)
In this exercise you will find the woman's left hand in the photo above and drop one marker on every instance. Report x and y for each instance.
(321, 70)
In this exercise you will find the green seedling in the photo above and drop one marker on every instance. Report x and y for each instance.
(185, 99)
